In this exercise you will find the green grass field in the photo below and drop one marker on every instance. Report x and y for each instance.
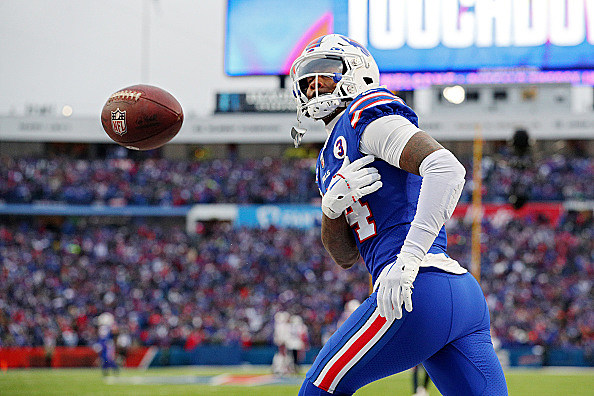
(546, 382)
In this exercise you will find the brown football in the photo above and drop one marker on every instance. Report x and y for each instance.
(142, 117)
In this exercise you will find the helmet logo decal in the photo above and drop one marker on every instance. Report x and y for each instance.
(340, 147)
(355, 44)
(314, 44)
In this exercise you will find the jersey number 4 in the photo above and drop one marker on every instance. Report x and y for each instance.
(358, 217)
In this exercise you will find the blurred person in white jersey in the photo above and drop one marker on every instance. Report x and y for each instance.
(297, 341)
(420, 389)
(387, 189)
(282, 361)
(349, 308)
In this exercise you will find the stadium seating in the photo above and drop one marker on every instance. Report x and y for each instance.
(224, 286)
(164, 182)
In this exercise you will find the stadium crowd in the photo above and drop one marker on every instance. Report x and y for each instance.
(162, 182)
(536, 276)
(162, 285)
(224, 286)
(549, 178)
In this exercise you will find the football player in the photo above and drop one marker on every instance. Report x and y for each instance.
(387, 189)
(106, 344)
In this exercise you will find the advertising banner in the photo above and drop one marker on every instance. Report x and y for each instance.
(281, 216)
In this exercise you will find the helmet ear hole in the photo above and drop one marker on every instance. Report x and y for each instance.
(368, 80)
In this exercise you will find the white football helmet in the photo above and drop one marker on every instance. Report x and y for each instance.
(347, 62)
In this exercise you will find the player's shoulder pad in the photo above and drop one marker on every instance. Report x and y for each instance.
(376, 103)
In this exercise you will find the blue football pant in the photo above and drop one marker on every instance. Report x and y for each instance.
(447, 331)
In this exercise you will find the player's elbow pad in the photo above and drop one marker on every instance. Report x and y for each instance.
(443, 176)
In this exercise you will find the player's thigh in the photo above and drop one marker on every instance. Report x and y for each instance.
(366, 347)
(468, 366)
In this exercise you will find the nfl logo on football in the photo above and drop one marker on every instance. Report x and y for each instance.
(118, 121)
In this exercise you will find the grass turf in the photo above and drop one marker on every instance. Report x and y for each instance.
(47, 382)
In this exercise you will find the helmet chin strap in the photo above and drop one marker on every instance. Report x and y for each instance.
(324, 108)
(328, 119)
(297, 134)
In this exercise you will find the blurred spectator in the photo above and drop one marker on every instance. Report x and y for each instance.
(283, 362)
(297, 341)
(417, 372)
(350, 307)
(106, 346)
(281, 328)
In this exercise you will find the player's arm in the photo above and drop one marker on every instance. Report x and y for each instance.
(339, 241)
(418, 147)
(443, 180)
(398, 142)
(401, 144)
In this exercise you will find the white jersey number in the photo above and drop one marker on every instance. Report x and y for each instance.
(358, 217)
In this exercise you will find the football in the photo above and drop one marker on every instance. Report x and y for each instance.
(142, 117)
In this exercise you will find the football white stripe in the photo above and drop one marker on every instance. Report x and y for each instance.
(366, 97)
(346, 347)
(357, 114)
(359, 355)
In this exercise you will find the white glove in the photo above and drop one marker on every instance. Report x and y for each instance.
(349, 184)
(394, 286)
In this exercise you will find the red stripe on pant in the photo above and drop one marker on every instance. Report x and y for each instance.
(351, 352)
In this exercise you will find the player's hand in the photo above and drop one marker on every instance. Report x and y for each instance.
(349, 184)
(394, 286)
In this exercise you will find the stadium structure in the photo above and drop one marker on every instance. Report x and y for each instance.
(195, 246)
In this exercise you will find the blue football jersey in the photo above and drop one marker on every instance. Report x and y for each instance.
(379, 221)
(107, 345)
